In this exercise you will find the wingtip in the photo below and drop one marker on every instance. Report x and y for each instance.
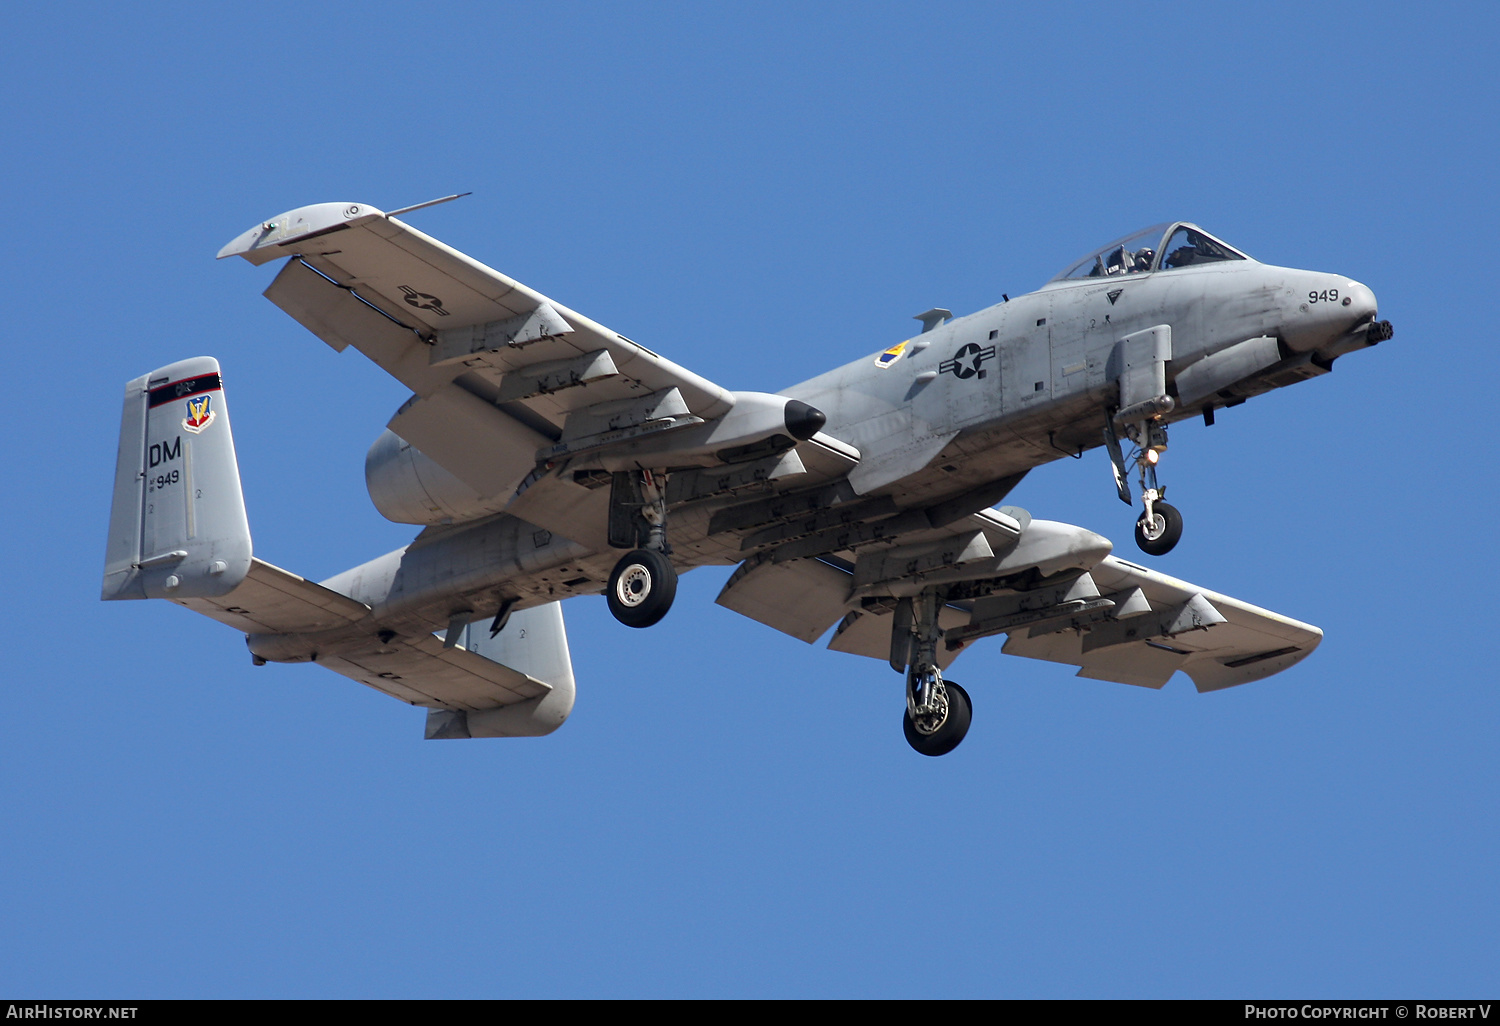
(268, 240)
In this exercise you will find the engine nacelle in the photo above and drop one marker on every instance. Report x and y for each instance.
(409, 488)
(756, 423)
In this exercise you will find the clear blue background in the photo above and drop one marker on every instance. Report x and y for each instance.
(760, 193)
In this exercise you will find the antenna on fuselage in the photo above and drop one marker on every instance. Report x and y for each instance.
(932, 318)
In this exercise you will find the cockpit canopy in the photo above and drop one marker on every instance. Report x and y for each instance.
(1162, 247)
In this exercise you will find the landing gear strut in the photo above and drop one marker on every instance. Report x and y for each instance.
(643, 583)
(938, 712)
(1160, 525)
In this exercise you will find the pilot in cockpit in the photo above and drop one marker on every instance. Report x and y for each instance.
(1122, 261)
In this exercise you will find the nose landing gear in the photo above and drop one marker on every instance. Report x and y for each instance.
(1159, 527)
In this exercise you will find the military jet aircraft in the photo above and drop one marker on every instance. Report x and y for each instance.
(538, 445)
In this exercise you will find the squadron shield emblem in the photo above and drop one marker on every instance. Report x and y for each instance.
(891, 355)
(200, 413)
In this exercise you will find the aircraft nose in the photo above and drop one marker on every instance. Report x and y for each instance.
(1331, 308)
(1351, 324)
(1359, 304)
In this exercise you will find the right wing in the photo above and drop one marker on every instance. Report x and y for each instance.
(450, 315)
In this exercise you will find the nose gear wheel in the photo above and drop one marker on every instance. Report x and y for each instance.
(1158, 531)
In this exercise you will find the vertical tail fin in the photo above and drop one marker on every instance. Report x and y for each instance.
(534, 642)
(177, 527)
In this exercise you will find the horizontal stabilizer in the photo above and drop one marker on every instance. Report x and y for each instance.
(422, 671)
(271, 600)
(425, 670)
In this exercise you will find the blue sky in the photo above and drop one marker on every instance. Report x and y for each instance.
(759, 193)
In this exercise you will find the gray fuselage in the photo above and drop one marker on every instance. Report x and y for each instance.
(978, 400)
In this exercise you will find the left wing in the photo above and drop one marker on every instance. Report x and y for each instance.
(516, 395)
(503, 376)
(452, 315)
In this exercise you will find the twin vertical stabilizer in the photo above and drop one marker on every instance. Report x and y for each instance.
(177, 527)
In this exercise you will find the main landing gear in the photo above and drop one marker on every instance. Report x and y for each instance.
(643, 583)
(937, 729)
(1159, 527)
(641, 588)
(938, 711)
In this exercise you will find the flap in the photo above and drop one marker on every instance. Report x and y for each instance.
(445, 427)
(802, 598)
(868, 633)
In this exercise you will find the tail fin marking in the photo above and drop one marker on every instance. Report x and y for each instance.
(177, 525)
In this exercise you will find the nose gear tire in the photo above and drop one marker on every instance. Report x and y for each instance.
(1158, 537)
(641, 588)
(955, 726)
